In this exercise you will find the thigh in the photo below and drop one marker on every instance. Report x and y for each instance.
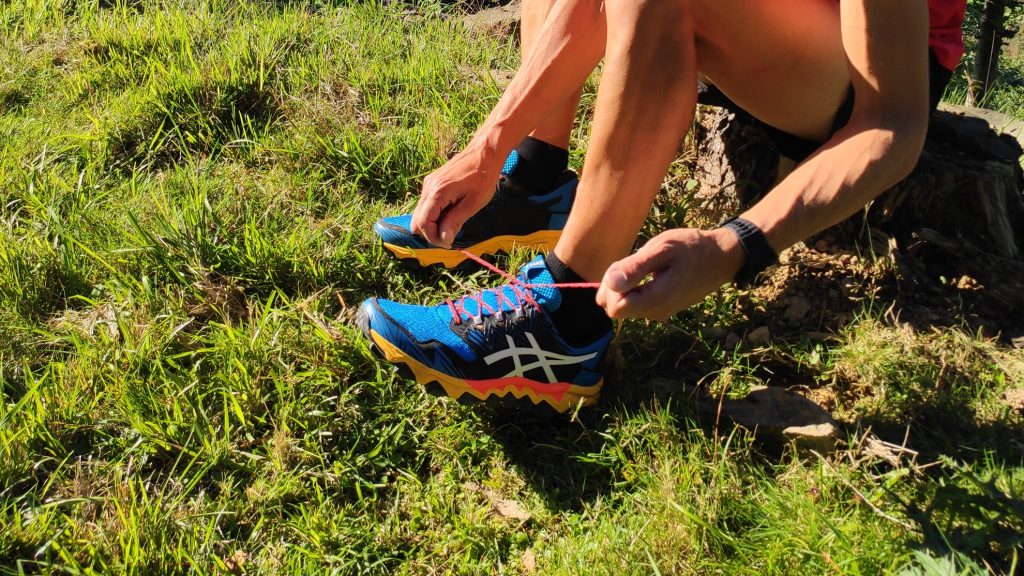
(783, 62)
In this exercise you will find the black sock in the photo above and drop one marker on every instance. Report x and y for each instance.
(579, 319)
(539, 164)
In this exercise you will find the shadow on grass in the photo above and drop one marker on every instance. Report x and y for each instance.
(968, 517)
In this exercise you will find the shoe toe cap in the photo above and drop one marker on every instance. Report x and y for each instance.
(411, 326)
(397, 230)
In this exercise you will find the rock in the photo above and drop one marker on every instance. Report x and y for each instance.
(529, 562)
(797, 309)
(664, 385)
(497, 21)
(235, 563)
(760, 335)
(715, 332)
(997, 121)
(732, 340)
(818, 437)
(779, 416)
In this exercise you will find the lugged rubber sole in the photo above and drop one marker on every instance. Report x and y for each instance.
(540, 240)
(560, 396)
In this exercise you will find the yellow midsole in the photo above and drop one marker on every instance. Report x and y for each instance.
(541, 240)
(456, 387)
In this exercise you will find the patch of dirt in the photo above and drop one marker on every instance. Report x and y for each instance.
(819, 286)
(815, 290)
(1015, 400)
(220, 298)
(505, 508)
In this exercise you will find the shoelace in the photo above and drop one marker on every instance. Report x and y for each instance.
(520, 290)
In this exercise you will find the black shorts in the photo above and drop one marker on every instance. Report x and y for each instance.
(797, 148)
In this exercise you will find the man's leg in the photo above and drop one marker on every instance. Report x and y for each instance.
(529, 203)
(557, 127)
(533, 339)
(542, 157)
(783, 62)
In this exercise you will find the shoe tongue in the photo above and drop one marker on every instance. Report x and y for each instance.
(536, 272)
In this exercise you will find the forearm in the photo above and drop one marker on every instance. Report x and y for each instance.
(568, 47)
(858, 164)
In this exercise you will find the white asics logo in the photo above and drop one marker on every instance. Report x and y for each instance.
(544, 358)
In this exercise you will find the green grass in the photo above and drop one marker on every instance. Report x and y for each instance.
(1007, 92)
(188, 189)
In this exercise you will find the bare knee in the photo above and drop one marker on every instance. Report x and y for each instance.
(656, 27)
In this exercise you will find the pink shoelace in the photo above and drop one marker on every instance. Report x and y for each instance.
(520, 290)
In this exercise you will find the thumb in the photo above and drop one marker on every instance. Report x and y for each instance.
(628, 273)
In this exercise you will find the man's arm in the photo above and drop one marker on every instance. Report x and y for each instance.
(568, 47)
(886, 46)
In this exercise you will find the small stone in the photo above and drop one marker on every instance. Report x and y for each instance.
(780, 416)
(797, 309)
(235, 563)
(760, 335)
(818, 437)
(529, 561)
(666, 385)
(732, 340)
(716, 332)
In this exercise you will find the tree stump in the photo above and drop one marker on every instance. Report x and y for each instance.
(736, 163)
(967, 189)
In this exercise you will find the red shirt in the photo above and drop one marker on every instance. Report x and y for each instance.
(946, 19)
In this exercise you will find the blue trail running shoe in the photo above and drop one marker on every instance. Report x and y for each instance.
(500, 343)
(515, 217)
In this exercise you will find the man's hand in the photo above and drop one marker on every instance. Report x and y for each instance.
(681, 267)
(451, 194)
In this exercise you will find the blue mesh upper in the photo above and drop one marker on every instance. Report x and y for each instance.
(427, 323)
(510, 163)
(403, 221)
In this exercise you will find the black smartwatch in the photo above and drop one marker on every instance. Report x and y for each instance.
(759, 252)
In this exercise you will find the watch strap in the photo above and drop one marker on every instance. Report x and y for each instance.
(759, 253)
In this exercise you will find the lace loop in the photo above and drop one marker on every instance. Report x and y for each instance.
(521, 291)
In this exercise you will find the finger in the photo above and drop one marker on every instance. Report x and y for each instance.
(453, 218)
(646, 301)
(425, 217)
(628, 273)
